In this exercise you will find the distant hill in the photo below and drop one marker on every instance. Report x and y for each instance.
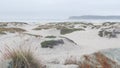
(94, 17)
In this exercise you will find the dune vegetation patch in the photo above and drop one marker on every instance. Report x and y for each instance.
(2, 33)
(63, 25)
(33, 35)
(40, 28)
(51, 43)
(11, 30)
(3, 24)
(37, 28)
(70, 30)
(50, 36)
(96, 60)
(43, 27)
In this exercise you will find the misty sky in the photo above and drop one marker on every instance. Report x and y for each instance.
(56, 9)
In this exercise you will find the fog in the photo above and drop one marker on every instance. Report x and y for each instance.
(56, 9)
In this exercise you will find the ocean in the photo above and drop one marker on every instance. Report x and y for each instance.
(59, 20)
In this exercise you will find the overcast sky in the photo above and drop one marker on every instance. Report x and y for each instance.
(57, 9)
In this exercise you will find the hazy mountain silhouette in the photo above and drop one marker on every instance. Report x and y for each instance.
(94, 17)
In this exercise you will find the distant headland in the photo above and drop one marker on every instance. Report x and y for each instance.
(94, 17)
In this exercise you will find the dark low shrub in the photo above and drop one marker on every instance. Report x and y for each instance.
(51, 43)
(2, 33)
(37, 28)
(108, 34)
(67, 30)
(100, 33)
(50, 37)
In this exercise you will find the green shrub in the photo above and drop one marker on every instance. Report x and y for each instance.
(107, 34)
(60, 27)
(50, 37)
(37, 28)
(100, 33)
(66, 30)
(2, 33)
(51, 43)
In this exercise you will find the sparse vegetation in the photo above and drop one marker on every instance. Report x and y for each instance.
(66, 31)
(108, 23)
(33, 35)
(108, 34)
(70, 61)
(62, 25)
(96, 60)
(50, 37)
(43, 27)
(69, 40)
(4, 24)
(11, 30)
(51, 43)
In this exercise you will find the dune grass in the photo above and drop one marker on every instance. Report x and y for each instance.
(22, 59)
(96, 60)
(12, 30)
(68, 30)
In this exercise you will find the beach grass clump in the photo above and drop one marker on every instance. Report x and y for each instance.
(50, 36)
(22, 59)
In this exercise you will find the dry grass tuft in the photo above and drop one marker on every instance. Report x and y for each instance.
(96, 60)
(70, 61)
(22, 59)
